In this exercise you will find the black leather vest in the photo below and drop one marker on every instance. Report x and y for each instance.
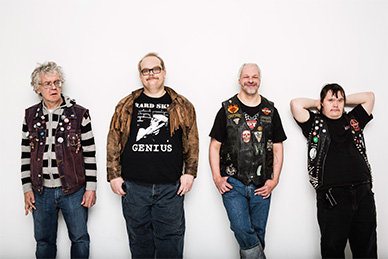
(247, 154)
(318, 146)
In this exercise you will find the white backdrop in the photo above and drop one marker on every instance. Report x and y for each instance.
(299, 45)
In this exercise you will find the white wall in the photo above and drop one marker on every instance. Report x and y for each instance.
(300, 46)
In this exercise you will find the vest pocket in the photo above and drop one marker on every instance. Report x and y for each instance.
(74, 142)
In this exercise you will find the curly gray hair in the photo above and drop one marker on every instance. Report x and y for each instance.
(44, 69)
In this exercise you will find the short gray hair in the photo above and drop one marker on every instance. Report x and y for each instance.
(246, 64)
(48, 67)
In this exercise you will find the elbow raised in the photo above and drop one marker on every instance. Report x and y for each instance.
(371, 96)
(292, 103)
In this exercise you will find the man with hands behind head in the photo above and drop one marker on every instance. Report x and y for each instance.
(339, 170)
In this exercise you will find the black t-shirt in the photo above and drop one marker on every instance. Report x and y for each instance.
(151, 155)
(219, 127)
(343, 164)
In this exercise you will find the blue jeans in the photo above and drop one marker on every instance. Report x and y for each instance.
(353, 217)
(155, 220)
(46, 222)
(247, 213)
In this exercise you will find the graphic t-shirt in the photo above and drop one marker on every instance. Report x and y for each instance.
(151, 154)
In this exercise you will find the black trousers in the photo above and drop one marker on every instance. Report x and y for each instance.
(347, 213)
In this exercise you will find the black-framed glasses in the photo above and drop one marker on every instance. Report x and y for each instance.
(48, 85)
(147, 71)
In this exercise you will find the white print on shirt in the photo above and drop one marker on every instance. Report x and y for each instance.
(151, 119)
(152, 147)
(157, 121)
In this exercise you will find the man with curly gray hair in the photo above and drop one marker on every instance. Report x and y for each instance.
(58, 164)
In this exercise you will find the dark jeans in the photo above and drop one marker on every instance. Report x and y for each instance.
(46, 222)
(155, 220)
(247, 213)
(353, 217)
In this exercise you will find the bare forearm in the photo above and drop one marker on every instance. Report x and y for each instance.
(305, 103)
(277, 160)
(300, 106)
(366, 99)
(214, 158)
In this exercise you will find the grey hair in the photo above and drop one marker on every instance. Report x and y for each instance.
(246, 64)
(48, 67)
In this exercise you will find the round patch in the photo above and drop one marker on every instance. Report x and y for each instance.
(313, 153)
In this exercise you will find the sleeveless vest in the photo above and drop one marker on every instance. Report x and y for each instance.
(68, 150)
(318, 146)
(247, 153)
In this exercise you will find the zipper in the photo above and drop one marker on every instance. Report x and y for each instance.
(49, 142)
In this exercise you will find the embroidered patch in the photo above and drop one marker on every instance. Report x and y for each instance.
(266, 111)
(354, 124)
(233, 108)
(230, 170)
(258, 135)
(251, 124)
(246, 136)
(251, 120)
(269, 145)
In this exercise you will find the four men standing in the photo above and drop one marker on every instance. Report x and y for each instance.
(153, 138)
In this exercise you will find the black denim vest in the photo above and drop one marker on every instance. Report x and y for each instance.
(68, 150)
(247, 154)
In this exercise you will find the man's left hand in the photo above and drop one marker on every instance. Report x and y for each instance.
(89, 199)
(186, 183)
(266, 190)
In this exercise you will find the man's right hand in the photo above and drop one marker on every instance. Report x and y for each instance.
(116, 185)
(29, 200)
(222, 184)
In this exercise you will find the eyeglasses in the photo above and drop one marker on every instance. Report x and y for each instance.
(48, 85)
(147, 71)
